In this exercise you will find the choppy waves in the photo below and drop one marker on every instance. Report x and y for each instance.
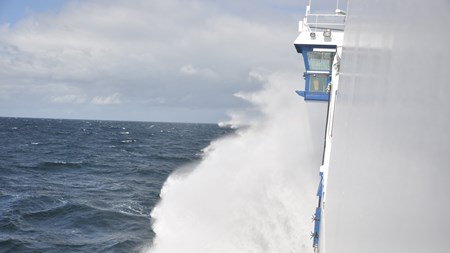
(87, 186)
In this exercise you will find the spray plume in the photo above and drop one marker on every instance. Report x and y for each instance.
(253, 191)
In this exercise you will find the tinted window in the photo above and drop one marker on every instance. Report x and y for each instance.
(320, 60)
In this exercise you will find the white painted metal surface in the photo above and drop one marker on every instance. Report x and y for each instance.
(318, 24)
(324, 30)
(388, 183)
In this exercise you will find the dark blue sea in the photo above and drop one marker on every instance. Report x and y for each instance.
(88, 186)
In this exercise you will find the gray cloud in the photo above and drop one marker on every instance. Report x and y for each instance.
(148, 56)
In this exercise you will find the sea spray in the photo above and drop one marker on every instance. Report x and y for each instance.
(253, 191)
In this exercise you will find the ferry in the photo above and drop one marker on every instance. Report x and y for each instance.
(383, 184)
(320, 43)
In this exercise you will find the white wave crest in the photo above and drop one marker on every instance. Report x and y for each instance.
(253, 191)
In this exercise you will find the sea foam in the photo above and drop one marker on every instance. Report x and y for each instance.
(253, 191)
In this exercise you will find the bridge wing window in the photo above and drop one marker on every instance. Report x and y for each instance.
(318, 83)
(320, 61)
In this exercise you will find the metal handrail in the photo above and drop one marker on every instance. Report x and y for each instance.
(325, 15)
(325, 21)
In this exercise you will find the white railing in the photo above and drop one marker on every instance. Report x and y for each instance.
(319, 22)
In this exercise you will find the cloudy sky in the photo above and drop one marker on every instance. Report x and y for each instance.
(148, 60)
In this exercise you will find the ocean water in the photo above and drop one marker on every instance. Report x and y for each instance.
(88, 186)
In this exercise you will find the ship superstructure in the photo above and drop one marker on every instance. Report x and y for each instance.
(320, 43)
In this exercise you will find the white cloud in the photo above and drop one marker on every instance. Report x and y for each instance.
(188, 70)
(114, 99)
(203, 72)
(71, 99)
(160, 49)
(256, 76)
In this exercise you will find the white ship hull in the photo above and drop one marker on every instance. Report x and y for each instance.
(388, 184)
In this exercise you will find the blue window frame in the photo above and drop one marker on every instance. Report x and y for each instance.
(318, 62)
